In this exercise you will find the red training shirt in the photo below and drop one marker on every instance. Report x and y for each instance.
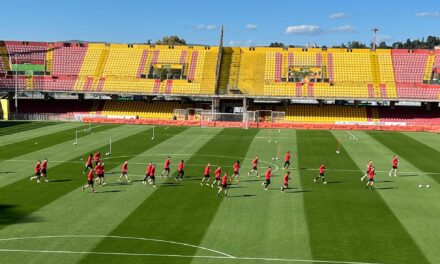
(268, 174)
(180, 166)
(224, 180)
(218, 172)
(167, 164)
(287, 158)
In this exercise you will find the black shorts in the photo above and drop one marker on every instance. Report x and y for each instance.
(286, 185)
(38, 174)
(166, 169)
(206, 176)
(224, 186)
(286, 163)
(395, 167)
(371, 179)
(43, 171)
(181, 172)
(236, 173)
(90, 182)
(321, 174)
(123, 173)
(254, 168)
(217, 179)
(101, 175)
(267, 181)
(152, 177)
(89, 166)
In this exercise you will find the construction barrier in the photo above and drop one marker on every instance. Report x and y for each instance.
(195, 123)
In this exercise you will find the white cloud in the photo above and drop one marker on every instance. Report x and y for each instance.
(381, 38)
(338, 15)
(247, 43)
(234, 43)
(251, 26)
(343, 29)
(206, 27)
(428, 14)
(303, 29)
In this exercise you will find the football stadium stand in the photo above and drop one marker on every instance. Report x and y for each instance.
(203, 73)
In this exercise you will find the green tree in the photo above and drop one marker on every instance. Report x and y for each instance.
(171, 40)
(277, 45)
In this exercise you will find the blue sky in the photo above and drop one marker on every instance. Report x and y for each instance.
(247, 23)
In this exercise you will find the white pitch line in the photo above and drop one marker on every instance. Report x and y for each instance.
(119, 237)
(181, 256)
(351, 134)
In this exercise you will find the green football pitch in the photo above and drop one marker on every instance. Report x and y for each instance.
(338, 222)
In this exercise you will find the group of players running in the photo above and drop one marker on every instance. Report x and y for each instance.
(221, 179)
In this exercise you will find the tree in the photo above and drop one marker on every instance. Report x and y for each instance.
(277, 45)
(383, 45)
(171, 40)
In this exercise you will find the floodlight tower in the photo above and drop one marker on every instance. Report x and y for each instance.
(375, 30)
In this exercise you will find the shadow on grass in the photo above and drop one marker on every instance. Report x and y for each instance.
(385, 181)
(334, 182)
(62, 180)
(111, 191)
(385, 188)
(243, 196)
(10, 215)
(6, 172)
(300, 191)
(407, 175)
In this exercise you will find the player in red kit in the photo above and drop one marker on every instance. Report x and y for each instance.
(370, 182)
(166, 167)
(89, 181)
(236, 168)
(37, 170)
(99, 171)
(152, 175)
(286, 181)
(254, 167)
(369, 165)
(180, 170)
(88, 163)
(286, 161)
(217, 174)
(321, 174)
(206, 175)
(267, 176)
(147, 173)
(394, 168)
(97, 158)
(124, 171)
(224, 185)
(44, 170)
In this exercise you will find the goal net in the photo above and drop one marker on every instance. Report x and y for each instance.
(209, 118)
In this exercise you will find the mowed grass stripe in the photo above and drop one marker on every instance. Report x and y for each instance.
(346, 221)
(37, 132)
(7, 128)
(104, 210)
(258, 223)
(430, 139)
(403, 196)
(420, 155)
(181, 213)
(40, 142)
(65, 178)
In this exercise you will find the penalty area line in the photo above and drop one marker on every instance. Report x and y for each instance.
(180, 256)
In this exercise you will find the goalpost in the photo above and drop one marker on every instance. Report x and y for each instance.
(240, 119)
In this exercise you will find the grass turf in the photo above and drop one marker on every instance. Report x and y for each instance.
(340, 221)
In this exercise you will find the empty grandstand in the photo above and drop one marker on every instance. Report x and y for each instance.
(310, 85)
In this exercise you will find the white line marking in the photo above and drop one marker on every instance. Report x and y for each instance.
(120, 237)
(181, 256)
(351, 134)
(106, 159)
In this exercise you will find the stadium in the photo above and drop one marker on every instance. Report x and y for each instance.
(223, 152)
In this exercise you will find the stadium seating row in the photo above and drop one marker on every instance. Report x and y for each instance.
(301, 113)
(260, 71)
